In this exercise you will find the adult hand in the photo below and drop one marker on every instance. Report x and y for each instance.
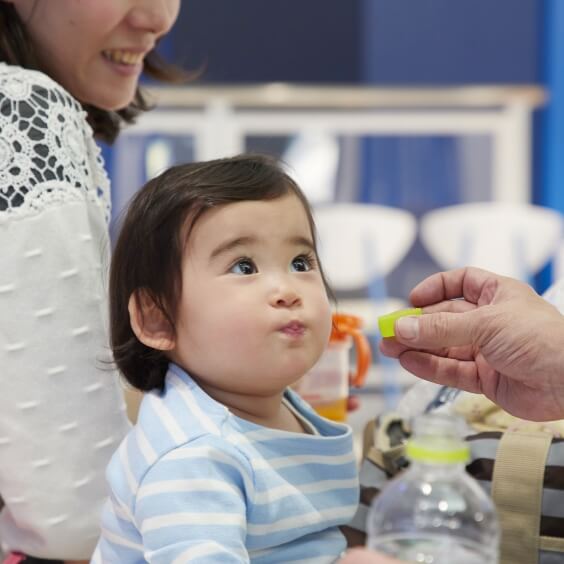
(488, 334)
(365, 556)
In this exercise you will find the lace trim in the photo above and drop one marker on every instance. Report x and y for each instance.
(48, 195)
(47, 150)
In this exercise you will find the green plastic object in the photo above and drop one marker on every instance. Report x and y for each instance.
(386, 322)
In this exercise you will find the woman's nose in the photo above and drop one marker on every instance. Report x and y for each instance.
(155, 16)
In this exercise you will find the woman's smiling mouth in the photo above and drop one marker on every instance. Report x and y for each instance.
(123, 57)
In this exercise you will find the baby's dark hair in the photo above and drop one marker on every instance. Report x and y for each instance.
(148, 255)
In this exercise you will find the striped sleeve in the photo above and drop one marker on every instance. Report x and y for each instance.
(191, 505)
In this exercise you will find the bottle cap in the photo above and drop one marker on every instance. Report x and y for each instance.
(438, 439)
(437, 451)
(386, 322)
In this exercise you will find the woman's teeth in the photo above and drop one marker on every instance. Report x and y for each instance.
(123, 57)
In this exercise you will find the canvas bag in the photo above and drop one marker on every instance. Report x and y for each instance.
(523, 471)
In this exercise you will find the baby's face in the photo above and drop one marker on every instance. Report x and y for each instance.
(254, 314)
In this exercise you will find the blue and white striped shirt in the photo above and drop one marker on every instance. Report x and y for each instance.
(194, 483)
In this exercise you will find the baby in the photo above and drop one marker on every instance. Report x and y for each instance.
(218, 304)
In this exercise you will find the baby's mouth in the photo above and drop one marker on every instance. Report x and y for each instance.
(294, 328)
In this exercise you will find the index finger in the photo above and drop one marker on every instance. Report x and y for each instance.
(451, 306)
(467, 283)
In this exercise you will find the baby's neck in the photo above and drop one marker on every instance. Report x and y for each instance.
(284, 420)
(267, 411)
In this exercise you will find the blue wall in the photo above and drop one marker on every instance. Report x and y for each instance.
(381, 41)
(246, 41)
(551, 153)
(451, 41)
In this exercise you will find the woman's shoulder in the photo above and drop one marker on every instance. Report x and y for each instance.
(48, 155)
(20, 84)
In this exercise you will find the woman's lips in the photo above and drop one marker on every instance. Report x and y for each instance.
(126, 66)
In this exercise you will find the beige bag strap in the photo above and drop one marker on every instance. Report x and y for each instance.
(517, 486)
(552, 544)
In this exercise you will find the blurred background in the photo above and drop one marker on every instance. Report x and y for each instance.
(427, 134)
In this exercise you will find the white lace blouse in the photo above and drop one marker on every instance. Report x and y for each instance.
(61, 409)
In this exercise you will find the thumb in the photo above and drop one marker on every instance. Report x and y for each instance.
(437, 330)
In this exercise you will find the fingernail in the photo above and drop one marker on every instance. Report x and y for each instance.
(407, 328)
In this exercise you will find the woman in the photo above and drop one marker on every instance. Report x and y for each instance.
(69, 73)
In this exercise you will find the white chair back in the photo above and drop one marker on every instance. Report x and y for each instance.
(514, 240)
(359, 243)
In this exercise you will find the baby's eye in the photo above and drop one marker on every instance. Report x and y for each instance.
(244, 266)
(302, 263)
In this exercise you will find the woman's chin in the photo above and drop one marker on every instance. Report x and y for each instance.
(109, 101)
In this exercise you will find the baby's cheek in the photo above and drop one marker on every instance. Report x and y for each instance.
(327, 314)
(239, 329)
(324, 324)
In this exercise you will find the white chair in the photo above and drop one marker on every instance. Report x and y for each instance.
(515, 240)
(359, 245)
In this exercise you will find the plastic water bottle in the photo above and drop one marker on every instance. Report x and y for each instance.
(434, 512)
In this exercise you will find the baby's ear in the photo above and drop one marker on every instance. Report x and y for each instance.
(149, 323)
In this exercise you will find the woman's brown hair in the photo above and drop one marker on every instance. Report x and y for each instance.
(16, 48)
